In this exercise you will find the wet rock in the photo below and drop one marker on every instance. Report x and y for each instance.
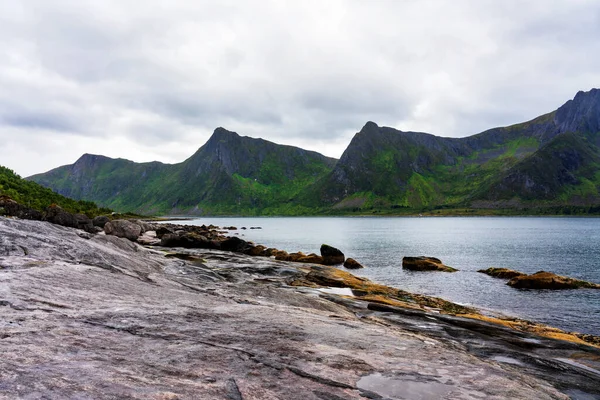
(258, 250)
(295, 256)
(281, 255)
(235, 244)
(100, 221)
(503, 273)
(331, 255)
(269, 252)
(123, 228)
(423, 263)
(312, 258)
(351, 263)
(188, 240)
(549, 280)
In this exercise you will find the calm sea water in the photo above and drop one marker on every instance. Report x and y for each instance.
(566, 246)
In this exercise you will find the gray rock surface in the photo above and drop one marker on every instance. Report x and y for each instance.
(123, 228)
(100, 317)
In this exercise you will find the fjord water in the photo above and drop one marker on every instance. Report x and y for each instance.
(566, 246)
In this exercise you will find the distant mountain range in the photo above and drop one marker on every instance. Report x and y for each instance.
(551, 161)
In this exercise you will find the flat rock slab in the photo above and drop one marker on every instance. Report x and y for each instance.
(106, 318)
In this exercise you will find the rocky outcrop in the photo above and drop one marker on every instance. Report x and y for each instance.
(331, 255)
(100, 221)
(105, 318)
(351, 263)
(123, 228)
(235, 244)
(549, 280)
(10, 208)
(311, 258)
(58, 216)
(503, 273)
(423, 263)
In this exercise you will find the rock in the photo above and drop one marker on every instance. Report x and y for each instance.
(235, 244)
(104, 318)
(187, 240)
(163, 230)
(312, 258)
(503, 273)
(85, 223)
(549, 280)
(149, 239)
(331, 255)
(256, 250)
(295, 256)
(100, 221)
(144, 225)
(351, 263)
(11, 208)
(123, 228)
(58, 216)
(423, 263)
(269, 252)
(281, 255)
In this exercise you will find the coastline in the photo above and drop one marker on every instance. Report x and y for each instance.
(468, 244)
(80, 288)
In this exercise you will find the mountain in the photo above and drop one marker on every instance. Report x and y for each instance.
(551, 160)
(230, 174)
(35, 196)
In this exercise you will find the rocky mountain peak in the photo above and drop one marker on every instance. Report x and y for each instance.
(223, 134)
(580, 114)
(369, 126)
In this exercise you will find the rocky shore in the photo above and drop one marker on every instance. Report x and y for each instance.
(188, 313)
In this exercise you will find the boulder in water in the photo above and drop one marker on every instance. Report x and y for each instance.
(351, 263)
(331, 255)
(423, 263)
(503, 273)
(549, 280)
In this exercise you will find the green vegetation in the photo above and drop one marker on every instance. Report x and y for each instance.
(39, 198)
(549, 165)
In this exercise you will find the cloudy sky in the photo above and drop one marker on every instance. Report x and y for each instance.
(152, 82)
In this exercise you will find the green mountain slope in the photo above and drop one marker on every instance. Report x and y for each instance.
(551, 160)
(230, 174)
(33, 195)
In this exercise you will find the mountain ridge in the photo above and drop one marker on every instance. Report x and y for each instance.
(550, 160)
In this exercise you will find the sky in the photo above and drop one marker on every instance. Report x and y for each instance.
(152, 80)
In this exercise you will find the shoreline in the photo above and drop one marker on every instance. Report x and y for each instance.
(104, 285)
(551, 314)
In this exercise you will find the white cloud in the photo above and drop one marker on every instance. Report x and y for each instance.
(152, 82)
